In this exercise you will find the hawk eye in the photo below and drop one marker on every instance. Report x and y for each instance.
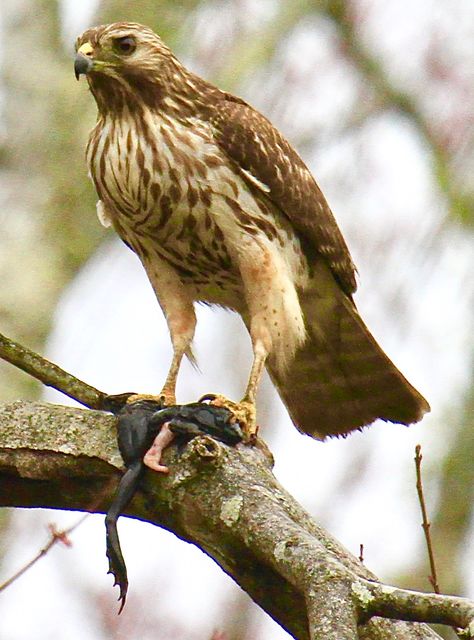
(125, 45)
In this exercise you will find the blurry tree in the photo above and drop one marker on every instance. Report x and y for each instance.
(48, 229)
(448, 149)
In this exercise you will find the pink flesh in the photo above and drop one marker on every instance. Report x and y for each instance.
(152, 457)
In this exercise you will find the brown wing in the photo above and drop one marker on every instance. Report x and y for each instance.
(256, 146)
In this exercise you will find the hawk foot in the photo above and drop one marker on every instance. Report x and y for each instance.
(244, 412)
(165, 399)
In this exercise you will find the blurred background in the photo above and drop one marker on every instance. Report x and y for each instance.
(378, 98)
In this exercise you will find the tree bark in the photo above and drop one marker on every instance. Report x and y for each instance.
(226, 501)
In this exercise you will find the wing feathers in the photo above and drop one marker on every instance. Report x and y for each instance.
(257, 148)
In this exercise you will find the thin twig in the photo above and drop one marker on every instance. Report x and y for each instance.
(59, 535)
(55, 536)
(50, 374)
(426, 523)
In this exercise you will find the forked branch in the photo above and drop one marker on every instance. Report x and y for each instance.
(50, 374)
(226, 501)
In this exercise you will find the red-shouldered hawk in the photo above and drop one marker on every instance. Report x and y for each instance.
(221, 209)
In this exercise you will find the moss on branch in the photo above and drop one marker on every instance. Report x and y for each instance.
(223, 499)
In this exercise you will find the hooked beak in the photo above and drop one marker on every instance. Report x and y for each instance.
(83, 61)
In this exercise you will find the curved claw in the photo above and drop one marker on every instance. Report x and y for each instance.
(243, 412)
(207, 396)
(115, 403)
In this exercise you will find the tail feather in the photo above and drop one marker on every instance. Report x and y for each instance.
(340, 379)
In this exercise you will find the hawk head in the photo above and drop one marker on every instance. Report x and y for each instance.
(123, 60)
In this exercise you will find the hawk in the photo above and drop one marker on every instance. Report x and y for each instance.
(220, 209)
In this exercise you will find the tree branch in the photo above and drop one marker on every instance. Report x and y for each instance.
(226, 501)
(383, 600)
(50, 374)
(433, 578)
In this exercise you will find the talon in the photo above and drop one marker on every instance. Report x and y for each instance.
(244, 413)
(168, 398)
(144, 397)
(207, 396)
(164, 399)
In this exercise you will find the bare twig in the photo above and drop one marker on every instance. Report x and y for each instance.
(426, 523)
(56, 535)
(59, 535)
(50, 374)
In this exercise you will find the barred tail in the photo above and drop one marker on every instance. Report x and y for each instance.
(341, 380)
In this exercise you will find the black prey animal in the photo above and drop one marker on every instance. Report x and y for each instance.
(139, 424)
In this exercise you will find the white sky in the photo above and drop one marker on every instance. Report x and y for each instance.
(76, 16)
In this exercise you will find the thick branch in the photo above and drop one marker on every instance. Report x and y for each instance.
(225, 500)
(382, 600)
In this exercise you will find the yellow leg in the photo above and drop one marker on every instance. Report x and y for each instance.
(168, 392)
(167, 395)
(245, 411)
(259, 357)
